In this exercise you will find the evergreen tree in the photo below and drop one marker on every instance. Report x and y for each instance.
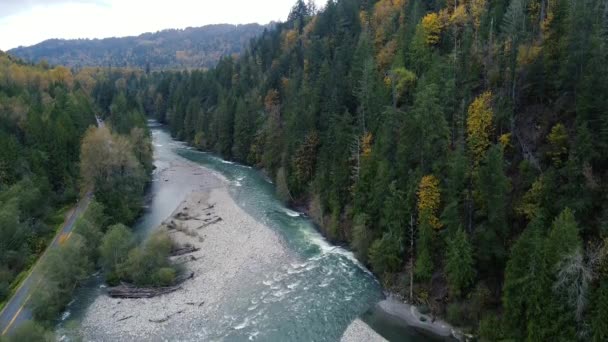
(459, 264)
(492, 188)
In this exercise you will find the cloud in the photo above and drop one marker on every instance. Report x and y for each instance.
(12, 7)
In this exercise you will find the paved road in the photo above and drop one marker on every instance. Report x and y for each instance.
(16, 312)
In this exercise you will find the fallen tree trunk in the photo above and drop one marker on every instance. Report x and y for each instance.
(183, 216)
(125, 290)
(185, 249)
(130, 291)
(213, 221)
(166, 318)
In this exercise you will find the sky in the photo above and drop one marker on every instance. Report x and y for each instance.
(28, 22)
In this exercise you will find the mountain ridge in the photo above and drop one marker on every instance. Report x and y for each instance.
(188, 48)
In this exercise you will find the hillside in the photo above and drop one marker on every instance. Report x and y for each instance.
(54, 155)
(193, 47)
(462, 143)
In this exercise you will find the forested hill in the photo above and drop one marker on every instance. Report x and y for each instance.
(467, 138)
(193, 47)
(52, 154)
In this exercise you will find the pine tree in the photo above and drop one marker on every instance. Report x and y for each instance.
(424, 256)
(492, 188)
(600, 312)
(525, 279)
(563, 239)
(459, 263)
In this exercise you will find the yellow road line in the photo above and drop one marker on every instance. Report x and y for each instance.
(16, 315)
(55, 238)
(39, 280)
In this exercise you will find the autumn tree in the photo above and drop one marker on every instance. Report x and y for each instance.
(109, 166)
(432, 28)
(558, 144)
(429, 199)
(479, 126)
(428, 223)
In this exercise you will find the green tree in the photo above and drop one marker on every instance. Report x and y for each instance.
(32, 332)
(148, 265)
(459, 265)
(385, 254)
(600, 312)
(424, 256)
(563, 239)
(526, 277)
(493, 188)
(114, 250)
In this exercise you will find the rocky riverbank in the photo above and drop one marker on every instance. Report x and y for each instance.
(232, 247)
(243, 271)
(403, 315)
(358, 331)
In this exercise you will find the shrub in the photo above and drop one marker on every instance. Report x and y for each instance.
(31, 332)
(165, 276)
(490, 328)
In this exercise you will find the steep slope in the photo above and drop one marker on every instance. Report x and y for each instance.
(193, 47)
(465, 142)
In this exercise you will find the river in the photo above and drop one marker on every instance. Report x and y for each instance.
(325, 290)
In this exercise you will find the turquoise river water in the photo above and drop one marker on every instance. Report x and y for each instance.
(323, 292)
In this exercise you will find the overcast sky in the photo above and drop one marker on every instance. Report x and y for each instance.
(27, 22)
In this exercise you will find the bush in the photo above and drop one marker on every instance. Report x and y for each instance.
(114, 250)
(165, 276)
(5, 279)
(31, 332)
(457, 314)
(64, 268)
(384, 255)
(490, 328)
(362, 237)
(149, 265)
(47, 301)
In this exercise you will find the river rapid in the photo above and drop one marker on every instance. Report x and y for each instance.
(313, 296)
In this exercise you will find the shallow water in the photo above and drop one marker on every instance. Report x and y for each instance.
(314, 297)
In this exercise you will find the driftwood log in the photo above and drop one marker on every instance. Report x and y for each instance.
(130, 291)
(183, 216)
(210, 222)
(185, 249)
(166, 318)
(125, 290)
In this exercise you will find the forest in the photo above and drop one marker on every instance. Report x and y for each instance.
(193, 47)
(459, 147)
(53, 154)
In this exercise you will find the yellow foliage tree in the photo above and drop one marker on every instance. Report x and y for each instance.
(432, 28)
(271, 101)
(383, 20)
(363, 18)
(290, 39)
(531, 203)
(459, 17)
(386, 55)
(429, 198)
(366, 144)
(63, 75)
(505, 140)
(479, 126)
(558, 142)
(477, 9)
